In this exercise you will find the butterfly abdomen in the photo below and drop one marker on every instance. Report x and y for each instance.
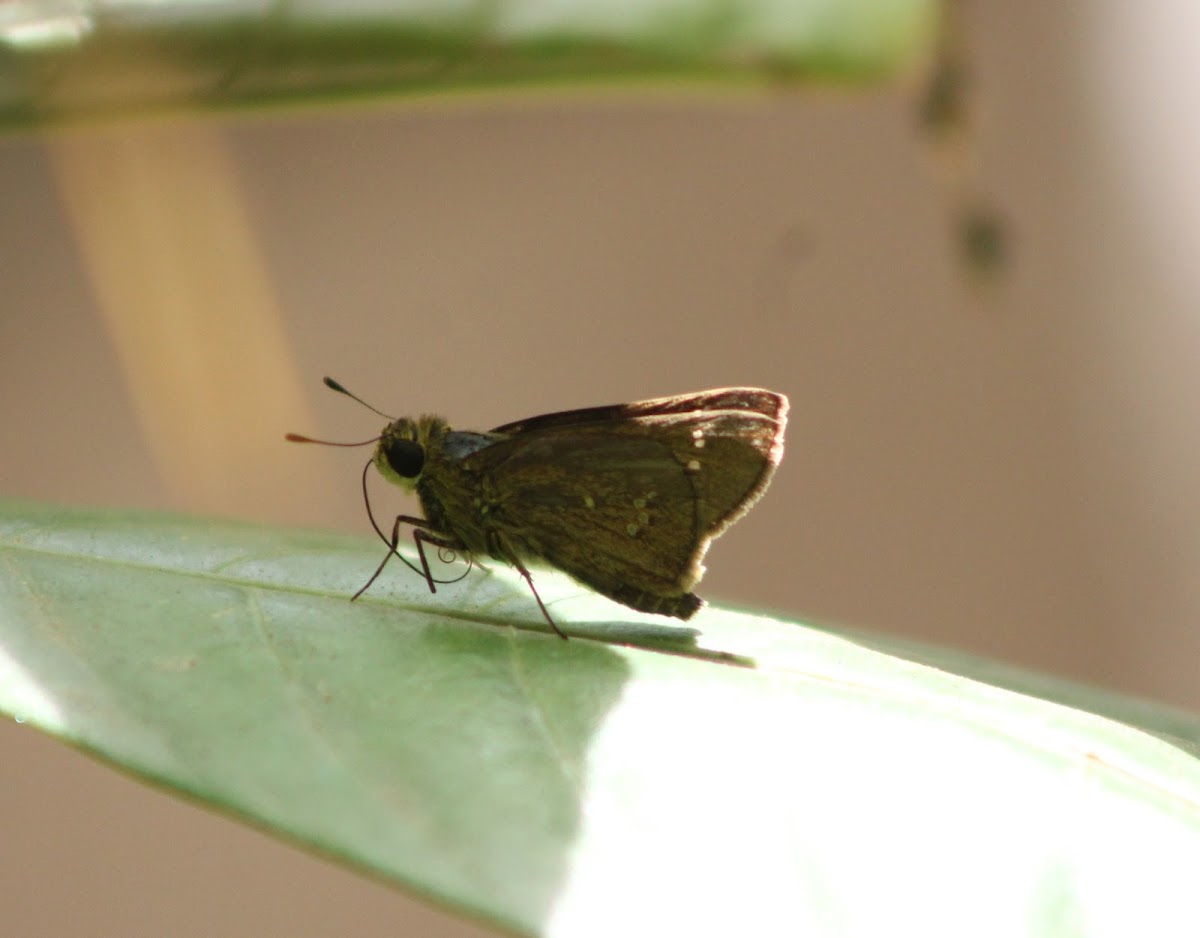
(679, 607)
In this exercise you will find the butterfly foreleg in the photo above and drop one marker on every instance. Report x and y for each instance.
(422, 536)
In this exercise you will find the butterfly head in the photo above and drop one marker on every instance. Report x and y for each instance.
(403, 449)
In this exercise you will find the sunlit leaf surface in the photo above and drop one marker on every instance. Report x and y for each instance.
(735, 775)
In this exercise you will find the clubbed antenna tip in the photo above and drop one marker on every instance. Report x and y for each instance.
(335, 386)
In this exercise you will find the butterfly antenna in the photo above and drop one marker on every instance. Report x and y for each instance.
(297, 438)
(335, 386)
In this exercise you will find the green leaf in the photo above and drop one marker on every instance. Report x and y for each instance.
(61, 62)
(745, 776)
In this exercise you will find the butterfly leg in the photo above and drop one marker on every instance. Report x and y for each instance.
(541, 605)
(501, 548)
(422, 537)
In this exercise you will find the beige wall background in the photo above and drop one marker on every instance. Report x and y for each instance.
(1011, 472)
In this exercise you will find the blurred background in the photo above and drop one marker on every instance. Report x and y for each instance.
(1009, 468)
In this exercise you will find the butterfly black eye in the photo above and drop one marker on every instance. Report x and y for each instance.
(406, 457)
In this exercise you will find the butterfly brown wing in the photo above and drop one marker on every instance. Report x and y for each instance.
(741, 400)
(626, 499)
